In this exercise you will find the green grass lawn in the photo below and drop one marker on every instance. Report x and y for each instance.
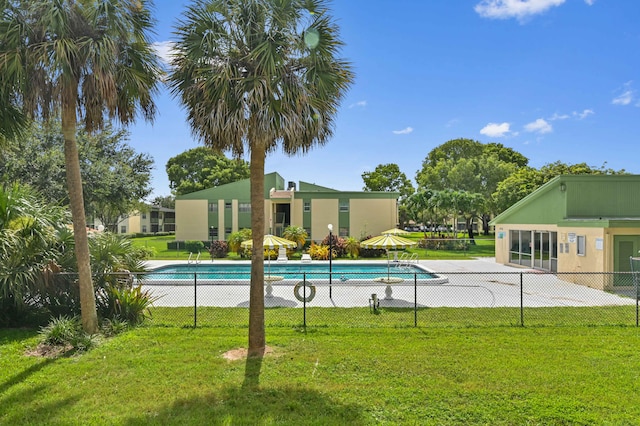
(484, 247)
(331, 376)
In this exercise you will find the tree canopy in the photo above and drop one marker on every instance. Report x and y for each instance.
(388, 177)
(202, 168)
(116, 178)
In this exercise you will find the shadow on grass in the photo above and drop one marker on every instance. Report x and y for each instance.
(243, 405)
(24, 374)
(30, 406)
(11, 335)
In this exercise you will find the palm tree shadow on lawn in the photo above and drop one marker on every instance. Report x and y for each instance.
(255, 405)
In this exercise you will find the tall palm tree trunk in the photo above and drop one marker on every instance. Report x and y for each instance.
(257, 340)
(76, 201)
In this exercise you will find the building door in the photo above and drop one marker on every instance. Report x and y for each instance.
(625, 246)
(545, 255)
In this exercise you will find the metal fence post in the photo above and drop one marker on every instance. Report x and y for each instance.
(521, 301)
(415, 300)
(304, 300)
(195, 299)
(635, 280)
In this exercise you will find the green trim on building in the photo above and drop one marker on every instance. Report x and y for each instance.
(579, 200)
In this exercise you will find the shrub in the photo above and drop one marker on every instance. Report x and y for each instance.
(174, 245)
(60, 330)
(443, 244)
(352, 246)
(193, 246)
(218, 249)
(67, 331)
(235, 240)
(338, 245)
(113, 326)
(130, 304)
(319, 252)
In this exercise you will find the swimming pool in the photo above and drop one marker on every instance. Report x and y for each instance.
(341, 272)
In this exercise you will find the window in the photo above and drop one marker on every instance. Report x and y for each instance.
(123, 229)
(582, 245)
(213, 207)
(144, 229)
(244, 208)
(343, 232)
(307, 206)
(344, 206)
(227, 231)
(144, 215)
(213, 232)
(227, 205)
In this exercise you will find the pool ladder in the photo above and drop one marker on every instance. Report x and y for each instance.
(196, 260)
(407, 259)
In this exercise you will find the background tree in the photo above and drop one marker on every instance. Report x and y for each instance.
(116, 178)
(388, 177)
(84, 59)
(296, 234)
(526, 180)
(202, 168)
(253, 75)
(468, 165)
(166, 201)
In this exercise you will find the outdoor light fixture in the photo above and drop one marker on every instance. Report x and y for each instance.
(330, 226)
(563, 187)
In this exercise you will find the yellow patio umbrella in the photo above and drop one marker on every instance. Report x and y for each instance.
(387, 241)
(271, 242)
(395, 231)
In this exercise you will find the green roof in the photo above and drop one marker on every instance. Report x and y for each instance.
(579, 200)
(240, 190)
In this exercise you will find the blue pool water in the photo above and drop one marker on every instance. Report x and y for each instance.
(295, 271)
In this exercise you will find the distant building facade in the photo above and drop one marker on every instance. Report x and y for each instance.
(215, 213)
(155, 219)
(575, 223)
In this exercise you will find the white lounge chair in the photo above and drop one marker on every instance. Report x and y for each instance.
(306, 258)
(282, 255)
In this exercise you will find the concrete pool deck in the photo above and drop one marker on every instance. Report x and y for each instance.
(478, 282)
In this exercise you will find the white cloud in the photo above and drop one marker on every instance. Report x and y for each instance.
(452, 122)
(360, 104)
(165, 50)
(539, 126)
(590, 2)
(519, 9)
(624, 98)
(495, 130)
(584, 114)
(557, 116)
(404, 131)
(627, 95)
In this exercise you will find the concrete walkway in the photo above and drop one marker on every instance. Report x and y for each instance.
(471, 283)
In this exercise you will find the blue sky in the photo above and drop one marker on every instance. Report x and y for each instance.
(552, 79)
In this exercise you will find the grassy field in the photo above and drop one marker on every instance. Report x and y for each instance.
(484, 247)
(331, 376)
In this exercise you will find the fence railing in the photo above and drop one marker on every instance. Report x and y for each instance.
(399, 299)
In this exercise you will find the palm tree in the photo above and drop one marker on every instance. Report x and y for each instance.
(90, 61)
(296, 234)
(254, 74)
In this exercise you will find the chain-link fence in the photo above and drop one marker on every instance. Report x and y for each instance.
(440, 299)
